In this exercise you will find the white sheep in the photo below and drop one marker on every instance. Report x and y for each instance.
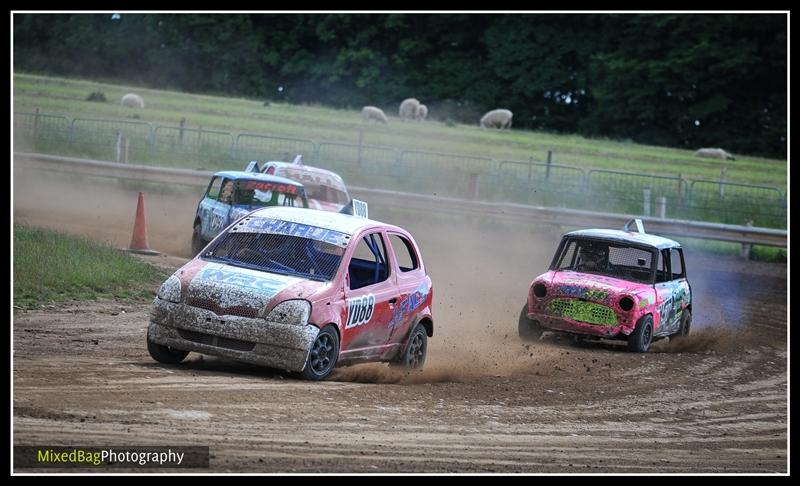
(133, 101)
(374, 113)
(422, 112)
(497, 118)
(408, 109)
(714, 153)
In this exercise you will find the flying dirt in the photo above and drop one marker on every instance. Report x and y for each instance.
(485, 402)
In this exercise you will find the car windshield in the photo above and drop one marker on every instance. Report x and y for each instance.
(608, 258)
(285, 254)
(320, 186)
(266, 193)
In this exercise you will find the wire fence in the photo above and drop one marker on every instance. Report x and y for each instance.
(534, 182)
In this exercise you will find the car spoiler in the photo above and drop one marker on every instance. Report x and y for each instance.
(637, 222)
(356, 207)
(252, 167)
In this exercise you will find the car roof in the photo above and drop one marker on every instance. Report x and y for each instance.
(343, 223)
(256, 176)
(309, 168)
(645, 239)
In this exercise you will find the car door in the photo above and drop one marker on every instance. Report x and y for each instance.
(206, 205)
(219, 211)
(371, 296)
(681, 291)
(671, 292)
(412, 286)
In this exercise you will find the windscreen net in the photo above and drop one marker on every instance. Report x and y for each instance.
(608, 258)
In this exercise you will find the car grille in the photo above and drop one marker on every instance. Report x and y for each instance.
(236, 310)
(582, 311)
(219, 341)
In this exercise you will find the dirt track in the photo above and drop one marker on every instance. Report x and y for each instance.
(485, 403)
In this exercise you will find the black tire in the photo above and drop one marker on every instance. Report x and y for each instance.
(198, 243)
(413, 359)
(323, 355)
(165, 354)
(686, 326)
(528, 330)
(640, 339)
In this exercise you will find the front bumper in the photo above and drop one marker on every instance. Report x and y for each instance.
(566, 324)
(255, 341)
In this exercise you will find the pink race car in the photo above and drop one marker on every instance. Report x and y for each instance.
(325, 189)
(612, 284)
(301, 290)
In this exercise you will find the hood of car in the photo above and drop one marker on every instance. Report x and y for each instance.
(590, 286)
(227, 289)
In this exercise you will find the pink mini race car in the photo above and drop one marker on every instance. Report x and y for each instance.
(301, 290)
(612, 284)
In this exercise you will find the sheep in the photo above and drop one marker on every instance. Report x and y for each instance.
(374, 113)
(422, 112)
(132, 100)
(497, 118)
(408, 109)
(714, 153)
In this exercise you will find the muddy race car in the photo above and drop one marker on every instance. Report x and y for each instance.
(621, 285)
(232, 194)
(325, 189)
(300, 290)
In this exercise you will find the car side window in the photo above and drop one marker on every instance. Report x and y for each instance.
(662, 271)
(214, 188)
(226, 193)
(368, 264)
(677, 264)
(404, 253)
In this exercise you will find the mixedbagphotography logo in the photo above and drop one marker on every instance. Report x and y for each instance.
(111, 456)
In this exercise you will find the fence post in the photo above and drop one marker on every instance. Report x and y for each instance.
(747, 247)
(661, 207)
(180, 132)
(126, 144)
(360, 143)
(549, 161)
(530, 169)
(473, 186)
(35, 124)
(722, 177)
(118, 147)
(646, 201)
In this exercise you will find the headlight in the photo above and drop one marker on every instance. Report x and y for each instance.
(626, 303)
(539, 290)
(170, 290)
(295, 312)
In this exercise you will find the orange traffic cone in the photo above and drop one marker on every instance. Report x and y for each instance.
(139, 240)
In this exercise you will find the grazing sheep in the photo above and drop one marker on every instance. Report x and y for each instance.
(133, 101)
(714, 153)
(408, 109)
(422, 112)
(497, 118)
(374, 113)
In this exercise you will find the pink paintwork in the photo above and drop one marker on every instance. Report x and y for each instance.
(603, 303)
(373, 323)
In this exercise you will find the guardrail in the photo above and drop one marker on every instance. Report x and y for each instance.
(746, 235)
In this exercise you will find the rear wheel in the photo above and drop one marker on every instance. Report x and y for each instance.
(165, 354)
(323, 355)
(416, 350)
(639, 341)
(686, 325)
(529, 330)
(198, 243)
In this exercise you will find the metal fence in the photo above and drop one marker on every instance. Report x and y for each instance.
(432, 173)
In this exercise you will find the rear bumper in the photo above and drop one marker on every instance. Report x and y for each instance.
(255, 341)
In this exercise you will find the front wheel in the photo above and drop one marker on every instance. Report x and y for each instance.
(165, 354)
(529, 330)
(323, 355)
(198, 243)
(416, 350)
(640, 339)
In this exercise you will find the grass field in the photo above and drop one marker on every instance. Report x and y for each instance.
(68, 97)
(52, 267)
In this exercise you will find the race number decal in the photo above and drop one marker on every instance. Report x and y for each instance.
(359, 310)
